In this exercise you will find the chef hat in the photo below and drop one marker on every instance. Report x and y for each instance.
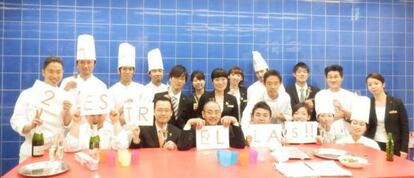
(85, 47)
(360, 108)
(95, 102)
(155, 60)
(325, 106)
(258, 62)
(126, 55)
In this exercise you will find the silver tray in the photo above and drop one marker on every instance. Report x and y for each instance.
(329, 153)
(44, 168)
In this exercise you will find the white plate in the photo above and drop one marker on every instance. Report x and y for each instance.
(329, 153)
(353, 161)
(44, 168)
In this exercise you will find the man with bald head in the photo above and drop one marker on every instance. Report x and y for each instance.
(211, 114)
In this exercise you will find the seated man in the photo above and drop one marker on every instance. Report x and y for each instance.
(261, 114)
(161, 134)
(211, 114)
(359, 121)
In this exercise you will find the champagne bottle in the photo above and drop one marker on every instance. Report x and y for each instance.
(390, 147)
(37, 143)
(94, 140)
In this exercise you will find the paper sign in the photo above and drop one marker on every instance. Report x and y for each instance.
(411, 140)
(212, 137)
(301, 132)
(265, 135)
(49, 98)
(139, 113)
(95, 103)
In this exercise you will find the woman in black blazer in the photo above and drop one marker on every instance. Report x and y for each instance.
(236, 77)
(387, 115)
(227, 102)
(198, 81)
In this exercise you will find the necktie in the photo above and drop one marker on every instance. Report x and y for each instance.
(302, 95)
(161, 137)
(175, 106)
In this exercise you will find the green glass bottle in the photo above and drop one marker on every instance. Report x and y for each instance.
(37, 143)
(390, 147)
(94, 140)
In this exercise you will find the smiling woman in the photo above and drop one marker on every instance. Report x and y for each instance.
(387, 115)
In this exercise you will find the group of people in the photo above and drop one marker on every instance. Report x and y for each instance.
(83, 105)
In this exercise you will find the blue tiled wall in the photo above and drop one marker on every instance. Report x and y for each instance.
(364, 36)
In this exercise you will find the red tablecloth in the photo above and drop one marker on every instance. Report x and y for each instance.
(161, 163)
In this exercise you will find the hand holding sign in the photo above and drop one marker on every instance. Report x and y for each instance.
(226, 121)
(197, 122)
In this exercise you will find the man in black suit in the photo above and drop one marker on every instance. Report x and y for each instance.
(181, 103)
(301, 92)
(161, 134)
(212, 116)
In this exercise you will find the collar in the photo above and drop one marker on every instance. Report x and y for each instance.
(177, 96)
(299, 87)
(159, 128)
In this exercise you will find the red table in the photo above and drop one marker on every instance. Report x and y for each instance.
(183, 164)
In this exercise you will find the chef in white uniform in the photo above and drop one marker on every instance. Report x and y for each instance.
(156, 73)
(126, 92)
(340, 98)
(95, 108)
(42, 107)
(359, 121)
(257, 89)
(279, 102)
(84, 80)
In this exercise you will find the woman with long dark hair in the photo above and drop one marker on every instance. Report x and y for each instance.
(387, 115)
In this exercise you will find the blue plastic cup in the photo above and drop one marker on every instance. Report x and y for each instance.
(224, 157)
(234, 157)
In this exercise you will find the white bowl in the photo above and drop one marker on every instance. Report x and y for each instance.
(353, 161)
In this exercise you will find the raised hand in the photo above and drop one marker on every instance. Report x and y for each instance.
(226, 121)
(196, 122)
(70, 85)
(36, 121)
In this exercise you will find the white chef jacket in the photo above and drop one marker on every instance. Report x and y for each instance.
(25, 111)
(107, 137)
(345, 97)
(83, 86)
(121, 94)
(257, 89)
(150, 90)
(339, 129)
(362, 140)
